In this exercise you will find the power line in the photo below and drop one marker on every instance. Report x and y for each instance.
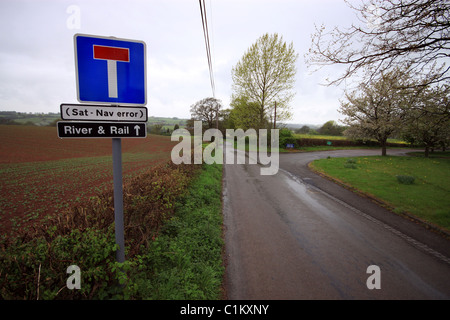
(208, 48)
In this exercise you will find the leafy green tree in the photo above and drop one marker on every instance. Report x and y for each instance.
(156, 128)
(331, 128)
(304, 129)
(227, 120)
(265, 75)
(246, 115)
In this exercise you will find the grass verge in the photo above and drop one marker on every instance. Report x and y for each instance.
(426, 198)
(326, 148)
(185, 261)
(436, 154)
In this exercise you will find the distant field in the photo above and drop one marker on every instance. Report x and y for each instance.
(42, 174)
(313, 136)
(309, 136)
(167, 121)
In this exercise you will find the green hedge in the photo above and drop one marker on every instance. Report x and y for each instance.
(33, 262)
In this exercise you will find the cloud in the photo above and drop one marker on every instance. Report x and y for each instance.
(37, 52)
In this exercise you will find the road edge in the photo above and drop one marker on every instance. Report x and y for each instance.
(427, 225)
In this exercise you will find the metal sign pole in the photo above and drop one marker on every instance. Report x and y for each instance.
(118, 198)
(126, 86)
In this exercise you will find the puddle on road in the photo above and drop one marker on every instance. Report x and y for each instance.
(307, 195)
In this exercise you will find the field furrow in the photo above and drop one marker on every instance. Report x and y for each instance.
(42, 175)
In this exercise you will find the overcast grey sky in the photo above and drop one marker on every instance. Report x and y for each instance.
(37, 69)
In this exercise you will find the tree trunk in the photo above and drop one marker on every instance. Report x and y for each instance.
(383, 148)
(427, 149)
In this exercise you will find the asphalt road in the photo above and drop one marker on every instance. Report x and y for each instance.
(296, 235)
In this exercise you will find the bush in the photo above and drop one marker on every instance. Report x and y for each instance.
(33, 263)
(350, 164)
(405, 179)
(286, 137)
(36, 269)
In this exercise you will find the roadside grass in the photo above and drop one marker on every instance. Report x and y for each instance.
(185, 260)
(426, 198)
(436, 154)
(327, 148)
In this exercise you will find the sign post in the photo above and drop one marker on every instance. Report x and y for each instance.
(108, 71)
(118, 198)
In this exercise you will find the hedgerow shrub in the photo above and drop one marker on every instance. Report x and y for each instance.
(36, 269)
(350, 164)
(405, 179)
(286, 137)
(34, 261)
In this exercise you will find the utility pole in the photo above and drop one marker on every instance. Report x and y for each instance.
(217, 118)
(275, 117)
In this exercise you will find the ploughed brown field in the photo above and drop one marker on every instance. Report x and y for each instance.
(42, 174)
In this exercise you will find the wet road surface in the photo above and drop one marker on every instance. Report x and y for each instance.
(296, 235)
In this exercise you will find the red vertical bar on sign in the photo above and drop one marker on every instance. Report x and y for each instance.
(111, 53)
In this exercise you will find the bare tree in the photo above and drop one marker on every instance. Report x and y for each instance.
(412, 34)
(207, 110)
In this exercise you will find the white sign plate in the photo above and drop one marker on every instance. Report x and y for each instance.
(89, 112)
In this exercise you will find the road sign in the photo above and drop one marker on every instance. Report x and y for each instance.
(110, 70)
(70, 129)
(89, 112)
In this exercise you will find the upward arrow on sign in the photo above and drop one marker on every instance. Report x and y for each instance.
(112, 55)
(136, 127)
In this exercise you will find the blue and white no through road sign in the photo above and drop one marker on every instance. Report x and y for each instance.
(110, 70)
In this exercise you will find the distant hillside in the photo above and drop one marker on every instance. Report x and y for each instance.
(21, 118)
(167, 121)
(294, 126)
(45, 119)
